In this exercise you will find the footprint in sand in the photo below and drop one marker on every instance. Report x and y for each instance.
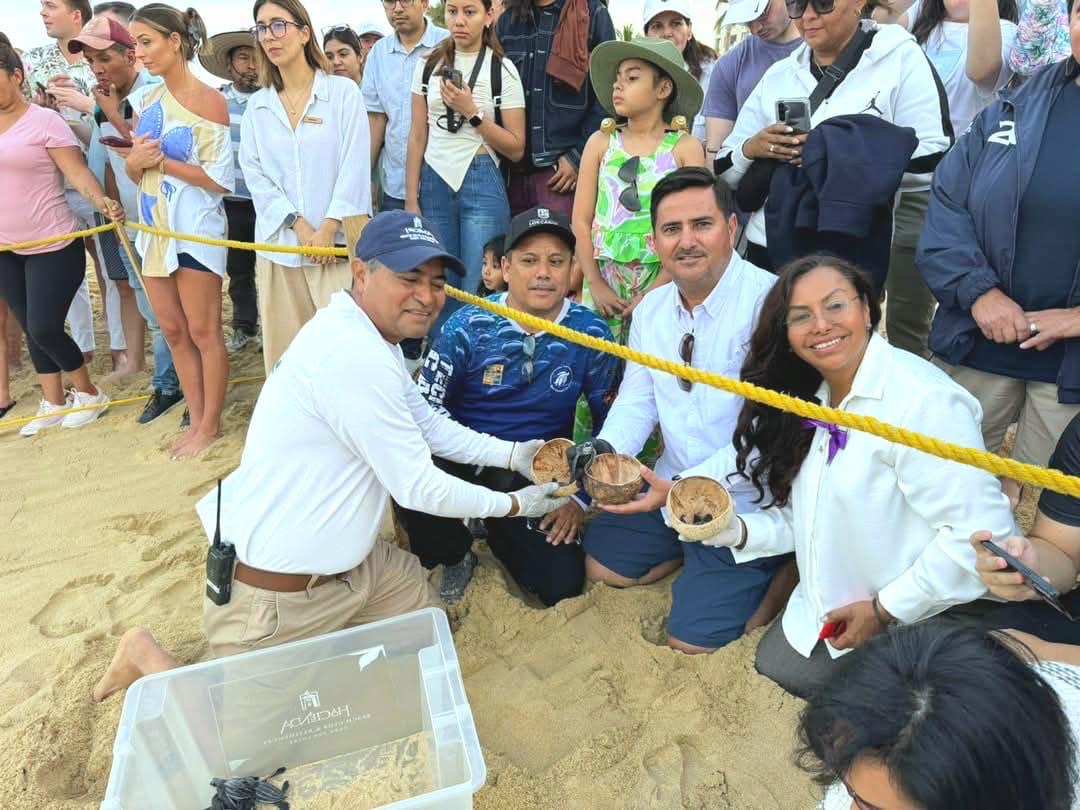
(66, 611)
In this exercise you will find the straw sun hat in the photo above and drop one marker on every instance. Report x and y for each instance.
(215, 57)
(605, 60)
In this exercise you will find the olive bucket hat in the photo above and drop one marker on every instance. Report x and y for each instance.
(606, 58)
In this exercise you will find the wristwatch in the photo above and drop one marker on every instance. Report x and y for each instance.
(290, 220)
(477, 119)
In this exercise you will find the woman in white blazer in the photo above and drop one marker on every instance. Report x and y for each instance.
(879, 530)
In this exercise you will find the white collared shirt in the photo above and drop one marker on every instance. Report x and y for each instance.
(320, 170)
(697, 425)
(339, 428)
(883, 518)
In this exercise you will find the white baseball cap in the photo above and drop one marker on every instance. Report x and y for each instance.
(741, 12)
(654, 7)
(370, 27)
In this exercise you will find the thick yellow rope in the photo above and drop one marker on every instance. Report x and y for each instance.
(991, 462)
(116, 403)
(67, 237)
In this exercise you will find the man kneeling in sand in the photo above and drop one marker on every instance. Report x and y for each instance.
(338, 429)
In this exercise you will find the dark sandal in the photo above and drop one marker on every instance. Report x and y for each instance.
(4, 409)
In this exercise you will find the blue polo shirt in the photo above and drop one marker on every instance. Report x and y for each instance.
(477, 371)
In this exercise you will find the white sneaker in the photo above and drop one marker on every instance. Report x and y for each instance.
(45, 419)
(80, 400)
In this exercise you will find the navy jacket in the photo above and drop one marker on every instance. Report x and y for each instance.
(840, 200)
(558, 118)
(967, 245)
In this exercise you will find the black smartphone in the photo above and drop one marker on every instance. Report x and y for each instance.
(1043, 589)
(453, 76)
(795, 112)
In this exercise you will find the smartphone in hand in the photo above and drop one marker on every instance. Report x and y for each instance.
(115, 142)
(1043, 589)
(795, 112)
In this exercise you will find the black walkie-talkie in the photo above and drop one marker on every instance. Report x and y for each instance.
(219, 563)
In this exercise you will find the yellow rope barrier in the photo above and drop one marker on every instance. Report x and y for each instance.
(229, 243)
(116, 403)
(67, 237)
(990, 462)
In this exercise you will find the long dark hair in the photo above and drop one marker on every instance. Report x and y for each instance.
(697, 55)
(778, 437)
(10, 61)
(932, 14)
(444, 52)
(956, 715)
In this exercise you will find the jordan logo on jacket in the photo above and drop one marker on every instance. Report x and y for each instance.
(872, 105)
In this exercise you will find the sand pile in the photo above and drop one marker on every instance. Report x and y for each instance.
(577, 707)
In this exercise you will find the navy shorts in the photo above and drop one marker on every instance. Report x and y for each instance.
(189, 262)
(712, 598)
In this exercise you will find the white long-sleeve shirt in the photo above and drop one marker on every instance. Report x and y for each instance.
(338, 429)
(697, 425)
(883, 518)
(892, 80)
(321, 170)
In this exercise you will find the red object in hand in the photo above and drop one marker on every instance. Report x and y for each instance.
(832, 630)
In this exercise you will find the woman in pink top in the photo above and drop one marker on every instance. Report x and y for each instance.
(38, 284)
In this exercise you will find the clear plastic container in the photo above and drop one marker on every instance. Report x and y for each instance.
(374, 716)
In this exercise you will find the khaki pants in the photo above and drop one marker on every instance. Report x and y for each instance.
(389, 582)
(1034, 406)
(290, 296)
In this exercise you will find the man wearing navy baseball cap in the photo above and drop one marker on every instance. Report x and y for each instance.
(339, 429)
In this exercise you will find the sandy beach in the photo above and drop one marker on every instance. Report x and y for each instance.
(577, 707)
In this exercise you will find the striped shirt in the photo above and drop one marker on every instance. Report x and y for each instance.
(237, 106)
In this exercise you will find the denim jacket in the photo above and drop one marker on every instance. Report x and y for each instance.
(558, 119)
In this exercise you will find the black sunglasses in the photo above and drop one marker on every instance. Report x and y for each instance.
(686, 354)
(796, 8)
(628, 172)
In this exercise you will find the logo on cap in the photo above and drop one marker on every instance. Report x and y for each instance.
(543, 213)
(417, 222)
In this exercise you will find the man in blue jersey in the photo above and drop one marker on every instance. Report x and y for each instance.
(494, 376)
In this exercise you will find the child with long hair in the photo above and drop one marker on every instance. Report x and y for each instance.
(458, 133)
(645, 85)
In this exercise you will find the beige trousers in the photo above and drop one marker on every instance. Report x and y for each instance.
(289, 297)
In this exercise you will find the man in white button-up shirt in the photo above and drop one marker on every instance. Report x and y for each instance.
(338, 430)
(704, 317)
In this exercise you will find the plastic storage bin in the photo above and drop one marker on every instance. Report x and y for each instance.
(373, 716)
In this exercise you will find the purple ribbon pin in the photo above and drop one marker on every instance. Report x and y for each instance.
(837, 436)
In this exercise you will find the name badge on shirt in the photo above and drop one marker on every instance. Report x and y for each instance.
(493, 374)
(311, 119)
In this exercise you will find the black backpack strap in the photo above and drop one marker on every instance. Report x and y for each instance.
(836, 72)
(425, 77)
(496, 87)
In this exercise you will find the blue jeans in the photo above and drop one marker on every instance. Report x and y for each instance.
(465, 220)
(391, 203)
(165, 380)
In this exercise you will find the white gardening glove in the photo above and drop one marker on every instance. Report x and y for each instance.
(536, 501)
(728, 537)
(521, 457)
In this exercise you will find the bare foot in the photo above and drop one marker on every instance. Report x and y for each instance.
(137, 654)
(181, 443)
(197, 442)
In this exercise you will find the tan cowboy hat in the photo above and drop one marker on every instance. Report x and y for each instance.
(215, 56)
(606, 57)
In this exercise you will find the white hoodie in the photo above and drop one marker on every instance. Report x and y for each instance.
(893, 79)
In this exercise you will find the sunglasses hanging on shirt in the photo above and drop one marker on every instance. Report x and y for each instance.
(450, 120)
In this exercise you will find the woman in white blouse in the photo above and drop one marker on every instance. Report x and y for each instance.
(452, 165)
(879, 530)
(306, 159)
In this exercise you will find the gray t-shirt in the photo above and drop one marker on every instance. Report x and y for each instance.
(738, 71)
